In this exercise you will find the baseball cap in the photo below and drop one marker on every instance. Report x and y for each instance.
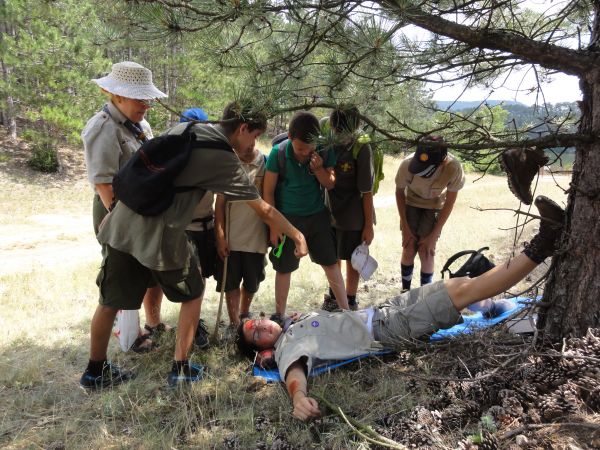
(427, 158)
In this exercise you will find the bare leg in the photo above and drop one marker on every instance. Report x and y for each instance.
(465, 291)
(101, 328)
(408, 255)
(189, 314)
(233, 306)
(336, 282)
(352, 278)
(246, 301)
(427, 260)
(282, 288)
(152, 302)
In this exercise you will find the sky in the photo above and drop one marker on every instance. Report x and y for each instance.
(561, 88)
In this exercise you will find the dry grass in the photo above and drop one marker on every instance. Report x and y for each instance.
(45, 317)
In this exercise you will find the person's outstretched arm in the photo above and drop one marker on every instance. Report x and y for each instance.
(305, 407)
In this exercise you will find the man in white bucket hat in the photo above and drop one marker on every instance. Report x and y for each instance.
(110, 137)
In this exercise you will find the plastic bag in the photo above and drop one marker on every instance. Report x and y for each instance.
(127, 327)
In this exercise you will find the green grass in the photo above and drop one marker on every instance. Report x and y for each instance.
(45, 317)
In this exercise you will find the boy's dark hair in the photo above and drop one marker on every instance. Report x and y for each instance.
(247, 349)
(345, 119)
(243, 111)
(304, 126)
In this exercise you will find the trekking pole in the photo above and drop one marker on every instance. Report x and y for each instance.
(224, 277)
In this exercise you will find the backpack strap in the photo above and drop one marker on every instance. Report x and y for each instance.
(458, 255)
(454, 258)
(281, 159)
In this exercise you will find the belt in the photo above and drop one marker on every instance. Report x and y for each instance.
(207, 222)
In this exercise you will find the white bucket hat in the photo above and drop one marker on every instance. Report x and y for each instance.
(130, 80)
(362, 262)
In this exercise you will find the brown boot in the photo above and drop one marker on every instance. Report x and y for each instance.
(545, 242)
(521, 166)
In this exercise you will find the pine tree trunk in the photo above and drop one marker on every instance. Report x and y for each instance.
(8, 110)
(573, 289)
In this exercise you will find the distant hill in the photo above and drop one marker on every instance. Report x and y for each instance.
(460, 105)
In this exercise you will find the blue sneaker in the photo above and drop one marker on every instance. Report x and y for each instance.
(190, 374)
(111, 376)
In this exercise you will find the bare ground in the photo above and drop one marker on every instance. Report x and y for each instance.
(41, 239)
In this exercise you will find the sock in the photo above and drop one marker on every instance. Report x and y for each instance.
(95, 367)
(407, 272)
(181, 366)
(331, 294)
(351, 299)
(426, 278)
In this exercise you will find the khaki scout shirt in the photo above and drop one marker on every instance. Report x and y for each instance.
(324, 336)
(159, 242)
(246, 232)
(430, 193)
(108, 145)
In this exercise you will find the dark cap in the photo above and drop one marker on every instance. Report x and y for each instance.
(428, 157)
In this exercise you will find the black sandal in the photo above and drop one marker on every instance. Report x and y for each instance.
(156, 330)
(139, 347)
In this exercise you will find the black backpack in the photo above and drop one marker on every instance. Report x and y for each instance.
(145, 182)
(473, 267)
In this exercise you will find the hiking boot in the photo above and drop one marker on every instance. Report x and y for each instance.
(545, 242)
(111, 376)
(191, 373)
(353, 305)
(329, 304)
(521, 166)
(201, 337)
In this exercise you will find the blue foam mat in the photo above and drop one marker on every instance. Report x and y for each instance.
(470, 324)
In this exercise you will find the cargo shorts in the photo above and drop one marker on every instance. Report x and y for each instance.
(123, 280)
(429, 309)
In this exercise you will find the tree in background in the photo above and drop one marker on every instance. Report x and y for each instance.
(302, 54)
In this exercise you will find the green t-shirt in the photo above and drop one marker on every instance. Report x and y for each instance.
(300, 193)
(159, 242)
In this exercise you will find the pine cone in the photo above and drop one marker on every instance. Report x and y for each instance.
(458, 415)
(261, 422)
(280, 442)
(427, 417)
(231, 442)
(562, 401)
(488, 441)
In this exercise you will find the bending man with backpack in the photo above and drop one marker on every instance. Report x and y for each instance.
(138, 247)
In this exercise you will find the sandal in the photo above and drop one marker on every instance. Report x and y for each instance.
(157, 329)
(140, 345)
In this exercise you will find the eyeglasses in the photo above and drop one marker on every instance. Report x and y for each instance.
(146, 103)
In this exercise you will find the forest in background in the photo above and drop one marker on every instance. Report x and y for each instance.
(50, 53)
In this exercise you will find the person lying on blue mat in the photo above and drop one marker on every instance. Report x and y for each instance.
(312, 338)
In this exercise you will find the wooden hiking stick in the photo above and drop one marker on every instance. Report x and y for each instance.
(224, 277)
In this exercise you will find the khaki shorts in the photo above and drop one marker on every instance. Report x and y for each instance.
(430, 309)
(123, 280)
(420, 220)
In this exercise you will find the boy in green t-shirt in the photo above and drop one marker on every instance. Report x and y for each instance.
(294, 184)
